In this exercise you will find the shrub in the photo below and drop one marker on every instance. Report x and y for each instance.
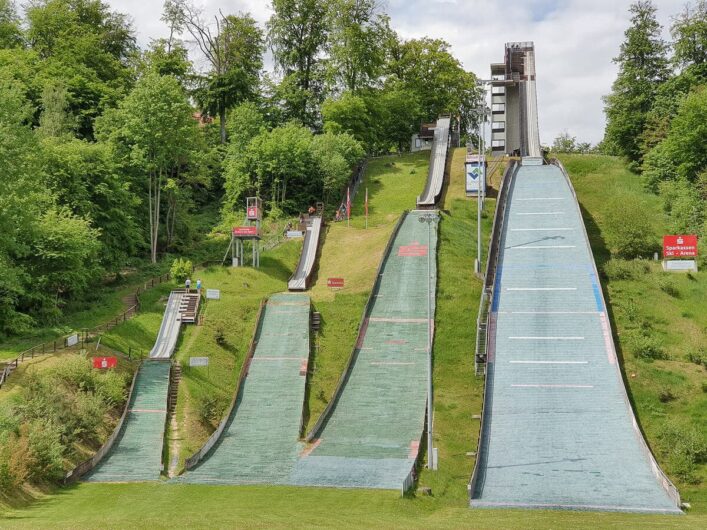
(211, 408)
(667, 285)
(647, 347)
(686, 447)
(619, 269)
(666, 395)
(698, 356)
(15, 461)
(220, 336)
(181, 270)
(628, 232)
(47, 463)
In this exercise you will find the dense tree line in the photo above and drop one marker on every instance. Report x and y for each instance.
(657, 110)
(108, 151)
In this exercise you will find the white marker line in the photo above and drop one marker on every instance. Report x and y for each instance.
(545, 246)
(541, 288)
(541, 229)
(549, 362)
(547, 338)
(539, 213)
(552, 386)
(542, 199)
(554, 312)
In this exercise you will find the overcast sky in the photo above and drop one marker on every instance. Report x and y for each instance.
(575, 41)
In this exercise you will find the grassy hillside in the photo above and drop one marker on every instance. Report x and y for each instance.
(660, 324)
(457, 398)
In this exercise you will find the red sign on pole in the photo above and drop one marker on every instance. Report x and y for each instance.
(245, 231)
(252, 212)
(680, 246)
(335, 282)
(105, 362)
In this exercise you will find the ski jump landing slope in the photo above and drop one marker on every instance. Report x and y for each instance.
(370, 438)
(137, 454)
(558, 428)
(300, 279)
(260, 441)
(438, 162)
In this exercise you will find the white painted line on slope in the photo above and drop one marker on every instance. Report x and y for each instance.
(541, 288)
(539, 213)
(542, 199)
(552, 386)
(549, 362)
(547, 338)
(544, 246)
(553, 312)
(541, 229)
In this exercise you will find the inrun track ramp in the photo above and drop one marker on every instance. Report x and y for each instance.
(169, 329)
(371, 437)
(300, 279)
(260, 441)
(137, 453)
(558, 428)
(438, 163)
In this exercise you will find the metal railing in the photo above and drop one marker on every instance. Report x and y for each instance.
(660, 475)
(194, 459)
(61, 343)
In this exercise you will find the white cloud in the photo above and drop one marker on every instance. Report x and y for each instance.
(575, 41)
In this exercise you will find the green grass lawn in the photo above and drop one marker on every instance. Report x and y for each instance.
(668, 395)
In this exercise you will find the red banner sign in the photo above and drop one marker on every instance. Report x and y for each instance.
(252, 212)
(105, 362)
(680, 246)
(335, 282)
(240, 231)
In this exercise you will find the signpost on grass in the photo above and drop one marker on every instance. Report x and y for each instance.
(103, 363)
(676, 247)
(213, 294)
(335, 283)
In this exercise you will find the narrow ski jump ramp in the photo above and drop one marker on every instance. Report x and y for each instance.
(558, 428)
(438, 162)
(137, 454)
(260, 441)
(300, 279)
(169, 330)
(370, 438)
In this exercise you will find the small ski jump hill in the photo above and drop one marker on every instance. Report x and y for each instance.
(303, 273)
(259, 441)
(558, 430)
(370, 435)
(438, 163)
(137, 452)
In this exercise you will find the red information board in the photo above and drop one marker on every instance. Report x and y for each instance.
(252, 212)
(684, 246)
(105, 362)
(245, 231)
(335, 282)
